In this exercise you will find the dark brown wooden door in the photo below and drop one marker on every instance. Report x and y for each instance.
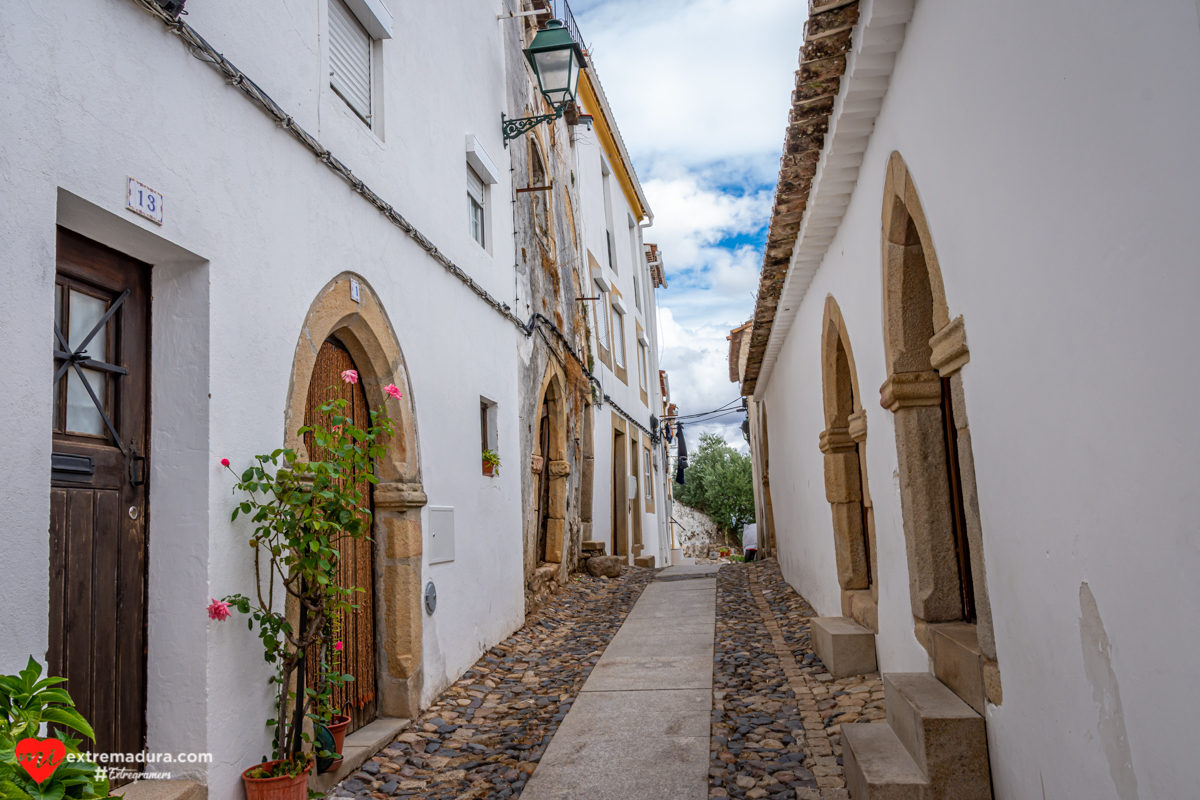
(356, 628)
(543, 489)
(98, 494)
(954, 473)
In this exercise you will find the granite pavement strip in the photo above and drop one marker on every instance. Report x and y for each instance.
(641, 700)
(639, 729)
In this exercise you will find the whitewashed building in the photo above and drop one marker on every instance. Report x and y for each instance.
(985, 215)
(260, 193)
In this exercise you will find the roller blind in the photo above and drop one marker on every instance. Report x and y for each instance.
(350, 59)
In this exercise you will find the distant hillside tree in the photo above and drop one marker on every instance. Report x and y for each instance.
(720, 482)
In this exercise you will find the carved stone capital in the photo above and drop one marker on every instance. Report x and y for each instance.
(950, 351)
(399, 496)
(836, 440)
(858, 426)
(910, 389)
(560, 469)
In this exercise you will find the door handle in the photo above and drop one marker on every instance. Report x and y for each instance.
(137, 470)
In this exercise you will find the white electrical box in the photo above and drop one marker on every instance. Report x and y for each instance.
(633, 487)
(441, 534)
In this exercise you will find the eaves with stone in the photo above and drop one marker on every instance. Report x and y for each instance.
(846, 63)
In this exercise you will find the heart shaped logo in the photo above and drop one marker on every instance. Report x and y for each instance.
(40, 757)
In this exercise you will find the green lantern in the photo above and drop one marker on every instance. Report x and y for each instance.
(556, 59)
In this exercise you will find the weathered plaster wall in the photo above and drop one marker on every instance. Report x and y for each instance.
(1065, 240)
(105, 92)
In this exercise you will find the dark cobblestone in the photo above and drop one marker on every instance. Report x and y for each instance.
(482, 738)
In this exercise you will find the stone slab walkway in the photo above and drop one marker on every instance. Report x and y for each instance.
(639, 729)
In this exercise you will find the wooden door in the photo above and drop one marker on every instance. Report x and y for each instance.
(634, 503)
(958, 517)
(620, 497)
(356, 628)
(98, 507)
(543, 489)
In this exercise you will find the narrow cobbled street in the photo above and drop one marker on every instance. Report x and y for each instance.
(775, 715)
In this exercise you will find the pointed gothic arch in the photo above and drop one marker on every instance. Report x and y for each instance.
(366, 332)
(846, 488)
(550, 446)
(925, 352)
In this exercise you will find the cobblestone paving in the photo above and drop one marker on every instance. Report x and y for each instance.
(777, 713)
(484, 736)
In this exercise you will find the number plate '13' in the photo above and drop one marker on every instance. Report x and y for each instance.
(141, 199)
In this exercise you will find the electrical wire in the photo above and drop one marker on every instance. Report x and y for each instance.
(196, 44)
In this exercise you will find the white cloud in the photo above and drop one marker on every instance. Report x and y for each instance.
(701, 91)
(698, 82)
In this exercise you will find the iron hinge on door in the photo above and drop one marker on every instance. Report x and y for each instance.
(137, 468)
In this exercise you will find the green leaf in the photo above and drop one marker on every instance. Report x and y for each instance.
(70, 718)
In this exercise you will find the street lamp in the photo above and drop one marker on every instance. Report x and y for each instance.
(556, 59)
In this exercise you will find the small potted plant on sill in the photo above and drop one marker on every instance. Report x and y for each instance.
(302, 512)
(491, 463)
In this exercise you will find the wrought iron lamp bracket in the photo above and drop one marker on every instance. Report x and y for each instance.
(519, 126)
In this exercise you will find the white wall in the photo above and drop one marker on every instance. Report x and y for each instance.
(105, 92)
(589, 152)
(1054, 154)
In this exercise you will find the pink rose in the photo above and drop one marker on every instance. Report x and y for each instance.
(338, 646)
(350, 376)
(393, 391)
(224, 462)
(218, 610)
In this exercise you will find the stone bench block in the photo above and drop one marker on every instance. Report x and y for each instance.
(845, 647)
(877, 765)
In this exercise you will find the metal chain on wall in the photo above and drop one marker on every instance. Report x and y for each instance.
(235, 77)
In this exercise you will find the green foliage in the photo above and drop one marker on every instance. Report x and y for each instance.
(25, 703)
(491, 457)
(302, 512)
(719, 482)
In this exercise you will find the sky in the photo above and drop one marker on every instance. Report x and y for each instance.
(701, 91)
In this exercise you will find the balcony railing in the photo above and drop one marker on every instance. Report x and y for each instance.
(560, 10)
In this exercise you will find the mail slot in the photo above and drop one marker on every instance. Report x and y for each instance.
(70, 467)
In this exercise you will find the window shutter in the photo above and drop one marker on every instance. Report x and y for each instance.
(601, 313)
(350, 59)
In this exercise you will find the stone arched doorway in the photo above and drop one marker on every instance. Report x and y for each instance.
(553, 469)
(925, 351)
(362, 327)
(846, 488)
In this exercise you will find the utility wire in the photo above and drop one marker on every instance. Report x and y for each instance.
(196, 44)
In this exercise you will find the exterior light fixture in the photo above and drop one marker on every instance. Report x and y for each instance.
(173, 7)
(556, 59)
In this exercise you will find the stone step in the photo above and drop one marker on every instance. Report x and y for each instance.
(958, 662)
(944, 736)
(595, 548)
(845, 647)
(878, 767)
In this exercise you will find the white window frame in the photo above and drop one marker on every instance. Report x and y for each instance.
(618, 337)
(642, 379)
(477, 208)
(648, 472)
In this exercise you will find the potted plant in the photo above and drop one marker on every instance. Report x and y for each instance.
(302, 512)
(328, 721)
(43, 769)
(491, 463)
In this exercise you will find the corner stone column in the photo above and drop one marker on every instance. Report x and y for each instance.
(844, 493)
(398, 528)
(915, 398)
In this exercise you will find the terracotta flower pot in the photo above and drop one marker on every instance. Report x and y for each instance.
(282, 788)
(489, 468)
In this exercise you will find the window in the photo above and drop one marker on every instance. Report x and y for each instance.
(637, 267)
(350, 73)
(605, 180)
(648, 474)
(601, 314)
(475, 206)
(642, 365)
(488, 435)
(619, 338)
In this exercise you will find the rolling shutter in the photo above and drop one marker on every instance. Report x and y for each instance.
(350, 59)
